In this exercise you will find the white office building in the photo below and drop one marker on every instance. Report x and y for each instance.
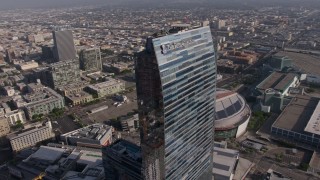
(30, 137)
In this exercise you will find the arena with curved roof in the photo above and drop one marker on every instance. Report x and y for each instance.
(232, 115)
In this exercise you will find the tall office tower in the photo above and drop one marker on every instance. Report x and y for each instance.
(90, 60)
(11, 55)
(176, 82)
(47, 54)
(218, 24)
(64, 48)
(221, 24)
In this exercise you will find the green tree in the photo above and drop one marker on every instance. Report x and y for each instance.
(95, 96)
(18, 125)
(37, 117)
(72, 116)
(56, 112)
(304, 166)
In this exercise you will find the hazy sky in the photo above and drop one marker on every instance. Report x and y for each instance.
(13, 4)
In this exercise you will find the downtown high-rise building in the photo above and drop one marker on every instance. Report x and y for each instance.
(176, 83)
(64, 48)
(59, 74)
(90, 60)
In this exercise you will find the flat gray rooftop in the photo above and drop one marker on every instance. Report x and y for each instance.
(243, 167)
(276, 80)
(297, 114)
(224, 161)
(93, 131)
(284, 83)
(305, 62)
(48, 153)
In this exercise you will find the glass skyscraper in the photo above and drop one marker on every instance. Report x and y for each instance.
(176, 82)
(64, 48)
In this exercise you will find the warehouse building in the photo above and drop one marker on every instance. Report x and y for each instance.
(300, 121)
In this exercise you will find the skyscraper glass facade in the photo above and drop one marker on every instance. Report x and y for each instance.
(64, 48)
(176, 82)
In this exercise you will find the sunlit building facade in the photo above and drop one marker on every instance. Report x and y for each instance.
(176, 82)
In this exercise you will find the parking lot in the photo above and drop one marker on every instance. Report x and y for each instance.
(64, 124)
(111, 113)
(301, 156)
(285, 166)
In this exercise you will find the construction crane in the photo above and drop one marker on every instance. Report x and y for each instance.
(40, 176)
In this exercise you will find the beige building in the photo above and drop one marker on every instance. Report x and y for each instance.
(72, 88)
(14, 116)
(4, 127)
(41, 100)
(78, 98)
(9, 90)
(109, 87)
(30, 137)
(27, 65)
(74, 93)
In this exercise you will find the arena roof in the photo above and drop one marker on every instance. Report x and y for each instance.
(231, 109)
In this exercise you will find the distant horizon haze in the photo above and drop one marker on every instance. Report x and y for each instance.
(22, 4)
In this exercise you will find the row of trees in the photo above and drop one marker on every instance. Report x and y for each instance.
(55, 113)
(37, 117)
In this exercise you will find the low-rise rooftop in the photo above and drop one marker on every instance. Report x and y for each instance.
(89, 132)
(27, 131)
(62, 162)
(95, 135)
(78, 95)
(127, 148)
(106, 84)
(278, 81)
(81, 84)
(47, 153)
(297, 114)
(313, 125)
(224, 161)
